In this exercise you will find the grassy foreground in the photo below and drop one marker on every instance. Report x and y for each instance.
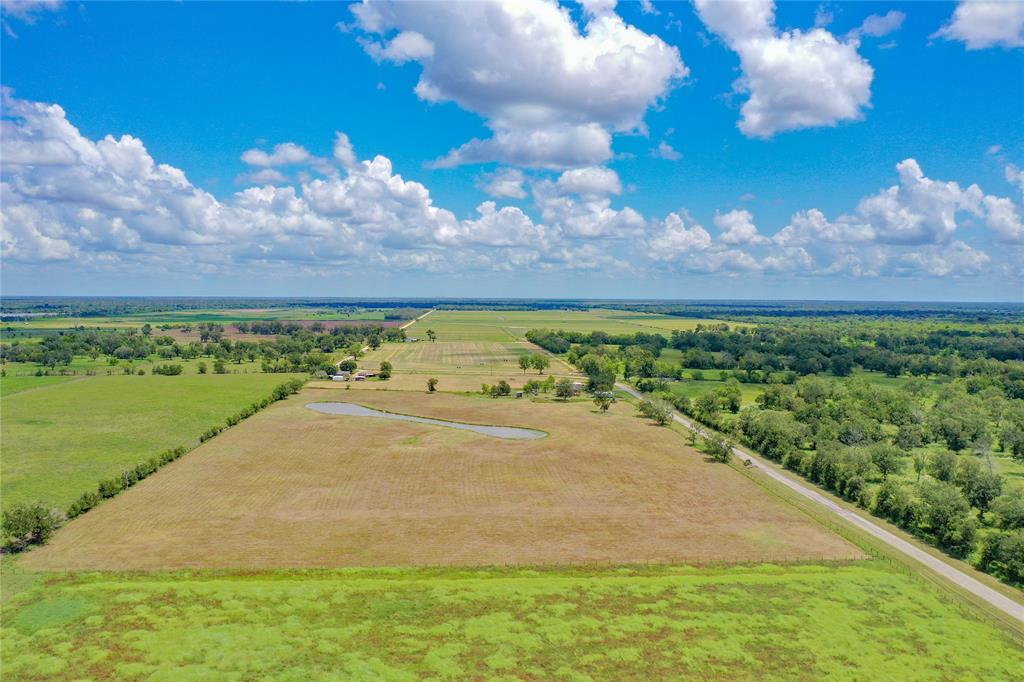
(862, 620)
(60, 441)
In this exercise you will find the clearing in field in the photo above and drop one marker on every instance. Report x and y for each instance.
(459, 357)
(862, 621)
(498, 325)
(291, 487)
(61, 439)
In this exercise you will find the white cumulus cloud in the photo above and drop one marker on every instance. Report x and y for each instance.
(551, 92)
(980, 24)
(795, 79)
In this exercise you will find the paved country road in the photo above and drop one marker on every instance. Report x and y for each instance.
(951, 573)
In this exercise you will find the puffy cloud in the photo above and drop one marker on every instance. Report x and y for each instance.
(980, 25)
(557, 146)
(918, 210)
(406, 46)
(507, 226)
(263, 176)
(737, 227)
(590, 181)
(26, 8)
(795, 79)
(956, 259)
(672, 238)
(1015, 176)
(1003, 218)
(551, 92)
(285, 154)
(878, 25)
(811, 226)
(578, 206)
(665, 151)
(344, 152)
(647, 7)
(507, 183)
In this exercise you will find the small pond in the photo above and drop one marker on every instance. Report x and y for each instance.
(353, 410)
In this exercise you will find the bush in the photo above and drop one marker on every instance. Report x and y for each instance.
(29, 524)
(83, 504)
(719, 449)
(168, 370)
(656, 410)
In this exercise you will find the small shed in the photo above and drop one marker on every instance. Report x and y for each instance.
(577, 387)
(519, 394)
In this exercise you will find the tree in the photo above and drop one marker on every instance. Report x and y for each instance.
(718, 448)
(943, 465)
(29, 523)
(218, 366)
(656, 410)
(979, 486)
(705, 407)
(431, 335)
(146, 329)
(539, 362)
(347, 365)
(604, 400)
(202, 367)
(731, 395)
(385, 371)
(888, 459)
(563, 389)
(944, 513)
(524, 363)
(502, 388)
(920, 463)
(431, 385)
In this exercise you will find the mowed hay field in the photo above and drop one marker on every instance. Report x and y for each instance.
(858, 621)
(459, 357)
(495, 325)
(295, 488)
(60, 439)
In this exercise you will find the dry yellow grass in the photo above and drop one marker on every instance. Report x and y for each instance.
(459, 357)
(295, 488)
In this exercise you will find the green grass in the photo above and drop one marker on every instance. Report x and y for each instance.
(59, 442)
(490, 325)
(864, 620)
(692, 389)
(16, 384)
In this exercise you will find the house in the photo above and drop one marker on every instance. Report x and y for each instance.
(359, 377)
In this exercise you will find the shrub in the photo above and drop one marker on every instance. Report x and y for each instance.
(168, 369)
(29, 523)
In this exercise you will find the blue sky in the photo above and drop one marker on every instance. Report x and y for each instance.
(798, 150)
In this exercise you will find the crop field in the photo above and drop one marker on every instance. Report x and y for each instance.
(491, 325)
(861, 620)
(293, 488)
(458, 357)
(61, 439)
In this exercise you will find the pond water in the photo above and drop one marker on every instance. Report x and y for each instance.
(353, 410)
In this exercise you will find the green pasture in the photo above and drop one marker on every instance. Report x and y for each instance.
(60, 440)
(863, 620)
(84, 366)
(16, 384)
(500, 325)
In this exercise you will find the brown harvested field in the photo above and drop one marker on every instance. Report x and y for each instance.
(331, 324)
(295, 488)
(451, 383)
